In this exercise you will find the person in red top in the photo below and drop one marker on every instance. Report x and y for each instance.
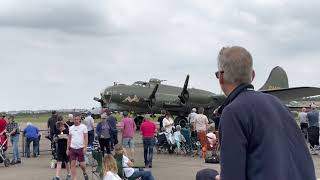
(3, 123)
(3, 127)
(148, 130)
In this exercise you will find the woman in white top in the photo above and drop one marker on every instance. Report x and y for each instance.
(128, 169)
(110, 168)
(168, 122)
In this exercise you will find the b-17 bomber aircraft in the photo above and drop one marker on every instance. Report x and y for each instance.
(153, 96)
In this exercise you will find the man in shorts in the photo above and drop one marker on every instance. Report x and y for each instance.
(128, 131)
(61, 138)
(77, 146)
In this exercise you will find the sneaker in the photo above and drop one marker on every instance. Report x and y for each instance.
(68, 177)
(55, 178)
(18, 161)
(13, 162)
(86, 177)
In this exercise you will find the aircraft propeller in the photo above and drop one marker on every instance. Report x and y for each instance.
(184, 96)
(99, 100)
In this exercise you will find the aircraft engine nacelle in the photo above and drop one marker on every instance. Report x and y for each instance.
(151, 102)
(184, 96)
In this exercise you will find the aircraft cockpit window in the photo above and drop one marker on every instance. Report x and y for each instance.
(155, 81)
(140, 83)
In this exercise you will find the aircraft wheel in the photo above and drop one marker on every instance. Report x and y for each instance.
(6, 162)
(180, 120)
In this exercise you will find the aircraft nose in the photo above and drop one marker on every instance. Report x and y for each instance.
(107, 94)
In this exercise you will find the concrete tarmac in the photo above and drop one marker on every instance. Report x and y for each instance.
(165, 166)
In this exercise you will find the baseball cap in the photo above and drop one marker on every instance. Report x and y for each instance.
(125, 113)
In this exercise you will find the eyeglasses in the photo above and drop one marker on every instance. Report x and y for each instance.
(218, 74)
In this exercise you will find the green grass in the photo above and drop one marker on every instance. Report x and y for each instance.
(43, 118)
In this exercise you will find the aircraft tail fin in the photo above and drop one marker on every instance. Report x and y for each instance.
(277, 79)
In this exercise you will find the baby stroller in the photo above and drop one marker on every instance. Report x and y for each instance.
(213, 155)
(3, 148)
(162, 143)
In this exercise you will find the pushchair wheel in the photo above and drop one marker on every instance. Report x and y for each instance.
(6, 162)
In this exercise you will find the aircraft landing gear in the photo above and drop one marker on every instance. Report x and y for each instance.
(138, 120)
(181, 120)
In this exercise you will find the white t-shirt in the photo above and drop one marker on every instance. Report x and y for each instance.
(303, 117)
(191, 117)
(111, 176)
(201, 122)
(88, 121)
(128, 171)
(77, 138)
(167, 122)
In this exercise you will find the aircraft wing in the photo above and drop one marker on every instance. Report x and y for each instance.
(289, 94)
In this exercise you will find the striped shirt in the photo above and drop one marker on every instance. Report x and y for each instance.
(11, 126)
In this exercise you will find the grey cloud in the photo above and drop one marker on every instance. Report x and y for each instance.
(83, 17)
(60, 54)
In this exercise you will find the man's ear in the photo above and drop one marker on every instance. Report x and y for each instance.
(221, 80)
(253, 75)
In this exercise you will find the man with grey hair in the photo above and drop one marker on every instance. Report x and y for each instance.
(313, 130)
(259, 137)
(31, 133)
(303, 122)
(192, 115)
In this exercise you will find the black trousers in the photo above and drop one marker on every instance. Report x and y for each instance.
(304, 129)
(113, 139)
(90, 137)
(105, 145)
(313, 135)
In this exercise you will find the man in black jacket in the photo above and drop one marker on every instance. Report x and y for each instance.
(112, 122)
(259, 137)
(51, 124)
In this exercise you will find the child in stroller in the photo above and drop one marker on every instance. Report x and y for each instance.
(53, 152)
(3, 149)
(212, 144)
(162, 142)
(165, 141)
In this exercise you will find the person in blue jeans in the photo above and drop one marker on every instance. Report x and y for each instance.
(14, 132)
(148, 145)
(148, 130)
(32, 134)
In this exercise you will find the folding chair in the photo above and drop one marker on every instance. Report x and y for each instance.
(121, 174)
(97, 168)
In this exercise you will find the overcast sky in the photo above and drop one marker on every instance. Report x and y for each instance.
(60, 54)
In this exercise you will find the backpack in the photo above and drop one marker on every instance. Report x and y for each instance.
(215, 158)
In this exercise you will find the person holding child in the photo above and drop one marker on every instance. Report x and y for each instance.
(61, 138)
